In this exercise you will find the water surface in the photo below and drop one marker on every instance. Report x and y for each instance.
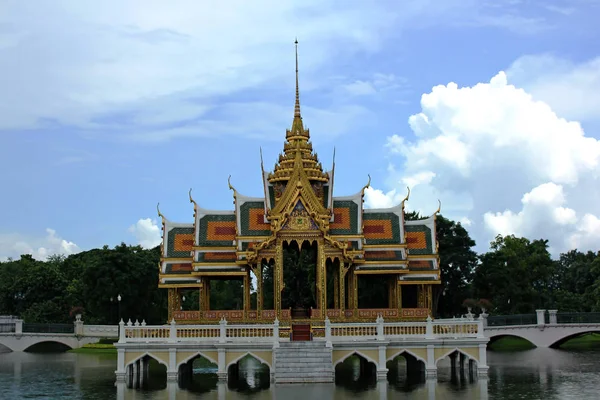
(533, 374)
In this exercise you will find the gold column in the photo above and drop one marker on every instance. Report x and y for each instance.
(430, 299)
(259, 289)
(336, 285)
(200, 294)
(342, 283)
(421, 296)
(399, 294)
(392, 296)
(172, 303)
(206, 295)
(350, 277)
(278, 279)
(355, 278)
(322, 279)
(247, 291)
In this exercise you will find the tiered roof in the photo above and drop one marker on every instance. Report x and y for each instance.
(298, 196)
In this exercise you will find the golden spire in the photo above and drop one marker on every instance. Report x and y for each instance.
(297, 104)
(297, 126)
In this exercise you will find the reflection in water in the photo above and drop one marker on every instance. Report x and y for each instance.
(249, 376)
(534, 374)
(356, 374)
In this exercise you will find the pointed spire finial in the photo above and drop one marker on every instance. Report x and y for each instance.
(297, 105)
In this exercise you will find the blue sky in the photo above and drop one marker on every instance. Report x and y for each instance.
(106, 109)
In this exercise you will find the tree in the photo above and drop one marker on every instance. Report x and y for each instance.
(516, 275)
(457, 264)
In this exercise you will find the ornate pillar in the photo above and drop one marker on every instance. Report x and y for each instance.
(352, 290)
(355, 289)
(322, 284)
(399, 294)
(174, 302)
(259, 288)
(392, 296)
(201, 294)
(342, 283)
(420, 296)
(278, 278)
(336, 284)
(205, 294)
(247, 291)
(430, 299)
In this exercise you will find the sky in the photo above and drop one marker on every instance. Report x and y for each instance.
(108, 108)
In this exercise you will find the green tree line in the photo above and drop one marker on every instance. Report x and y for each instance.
(517, 275)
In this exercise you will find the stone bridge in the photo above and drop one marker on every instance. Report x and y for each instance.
(18, 336)
(541, 329)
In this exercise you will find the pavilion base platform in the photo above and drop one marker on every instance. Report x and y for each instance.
(422, 343)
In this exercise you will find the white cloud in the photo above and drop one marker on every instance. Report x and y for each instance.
(377, 84)
(14, 245)
(155, 63)
(146, 232)
(572, 90)
(151, 66)
(481, 149)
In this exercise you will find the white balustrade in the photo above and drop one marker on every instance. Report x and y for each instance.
(334, 331)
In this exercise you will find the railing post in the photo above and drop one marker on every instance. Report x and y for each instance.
(429, 328)
(553, 320)
(481, 325)
(379, 321)
(223, 330)
(327, 332)
(78, 326)
(276, 333)
(541, 320)
(173, 331)
(122, 332)
(484, 316)
(18, 327)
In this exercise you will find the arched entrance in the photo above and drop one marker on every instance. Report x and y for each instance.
(248, 374)
(356, 372)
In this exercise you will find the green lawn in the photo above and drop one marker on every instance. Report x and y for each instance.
(96, 348)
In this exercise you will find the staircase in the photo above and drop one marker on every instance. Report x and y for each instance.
(301, 333)
(303, 362)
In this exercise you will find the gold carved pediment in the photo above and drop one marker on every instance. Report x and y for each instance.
(299, 219)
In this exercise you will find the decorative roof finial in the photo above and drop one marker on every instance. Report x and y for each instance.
(407, 197)
(191, 199)
(159, 213)
(366, 186)
(439, 208)
(297, 104)
(230, 186)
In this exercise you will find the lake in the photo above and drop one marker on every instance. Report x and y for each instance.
(532, 374)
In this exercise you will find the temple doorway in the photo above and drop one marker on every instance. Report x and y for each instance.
(299, 277)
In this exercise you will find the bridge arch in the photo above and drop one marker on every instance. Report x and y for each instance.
(65, 344)
(196, 355)
(358, 353)
(150, 355)
(569, 336)
(248, 353)
(498, 336)
(407, 351)
(455, 350)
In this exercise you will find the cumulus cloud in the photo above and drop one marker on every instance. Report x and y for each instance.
(14, 245)
(503, 160)
(572, 90)
(146, 232)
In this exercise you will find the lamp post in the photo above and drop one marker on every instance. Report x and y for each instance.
(119, 301)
